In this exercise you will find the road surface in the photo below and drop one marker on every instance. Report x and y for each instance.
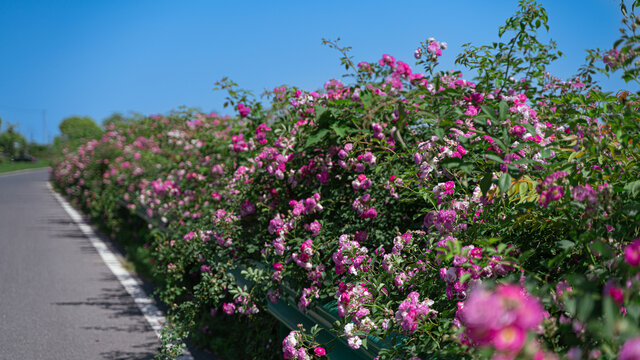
(58, 300)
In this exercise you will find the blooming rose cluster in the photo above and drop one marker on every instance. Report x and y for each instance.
(308, 294)
(261, 133)
(361, 182)
(306, 252)
(350, 256)
(363, 207)
(632, 253)
(241, 305)
(614, 58)
(500, 319)
(412, 310)
(442, 220)
(630, 349)
(443, 189)
(351, 299)
(243, 110)
(435, 47)
(313, 227)
(548, 189)
(309, 205)
(273, 161)
(472, 261)
(292, 347)
(165, 188)
(238, 144)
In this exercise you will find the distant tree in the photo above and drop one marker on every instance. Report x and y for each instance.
(115, 118)
(79, 127)
(38, 150)
(12, 143)
(118, 118)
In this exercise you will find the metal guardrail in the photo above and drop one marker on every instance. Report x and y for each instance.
(290, 316)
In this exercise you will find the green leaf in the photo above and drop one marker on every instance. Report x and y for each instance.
(610, 314)
(467, 168)
(529, 128)
(570, 305)
(633, 188)
(485, 183)
(545, 153)
(465, 277)
(341, 131)
(367, 99)
(585, 307)
(602, 249)
(316, 137)
(566, 244)
(495, 158)
(634, 311)
(504, 110)
(451, 162)
(504, 182)
(489, 111)
(523, 190)
(322, 116)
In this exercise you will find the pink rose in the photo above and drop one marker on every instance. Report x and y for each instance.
(632, 253)
(319, 351)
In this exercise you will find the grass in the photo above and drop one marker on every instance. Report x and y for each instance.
(8, 166)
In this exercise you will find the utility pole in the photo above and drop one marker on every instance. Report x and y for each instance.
(44, 127)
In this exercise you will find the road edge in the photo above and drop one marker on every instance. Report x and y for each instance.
(131, 284)
(22, 171)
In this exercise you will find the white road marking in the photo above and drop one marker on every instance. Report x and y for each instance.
(154, 316)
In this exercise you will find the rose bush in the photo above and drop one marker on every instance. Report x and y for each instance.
(442, 217)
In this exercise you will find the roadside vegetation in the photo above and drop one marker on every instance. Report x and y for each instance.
(435, 215)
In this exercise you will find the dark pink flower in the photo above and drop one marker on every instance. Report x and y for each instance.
(229, 308)
(364, 66)
(319, 351)
(630, 350)
(556, 193)
(510, 338)
(632, 253)
(616, 294)
(243, 110)
(434, 48)
(403, 69)
(387, 60)
(247, 208)
(502, 318)
(370, 213)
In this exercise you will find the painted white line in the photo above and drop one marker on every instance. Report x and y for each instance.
(147, 306)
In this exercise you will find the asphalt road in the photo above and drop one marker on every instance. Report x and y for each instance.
(58, 300)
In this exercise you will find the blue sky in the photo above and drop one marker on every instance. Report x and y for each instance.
(79, 57)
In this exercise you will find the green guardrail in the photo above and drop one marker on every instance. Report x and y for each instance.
(289, 316)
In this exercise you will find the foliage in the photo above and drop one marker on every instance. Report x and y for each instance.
(12, 143)
(15, 166)
(439, 217)
(118, 118)
(79, 127)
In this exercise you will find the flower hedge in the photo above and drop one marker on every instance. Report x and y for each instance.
(438, 216)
